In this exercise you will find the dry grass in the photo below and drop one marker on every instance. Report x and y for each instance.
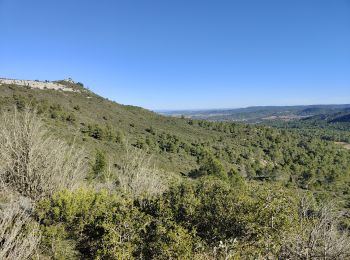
(319, 236)
(345, 145)
(19, 234)
(138, 175)
(32, 162)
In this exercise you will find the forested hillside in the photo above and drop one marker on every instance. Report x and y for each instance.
(328, 126)
(135, 184)
(176, 144)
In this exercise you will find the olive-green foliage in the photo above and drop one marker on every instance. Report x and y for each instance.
(98, 225)
(99, 165)
(187, 221)
(315, 126)
(102, 226)
(164, 239)
(216, 211)
(209, 165)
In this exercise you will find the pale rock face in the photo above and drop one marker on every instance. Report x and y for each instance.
(70, 80)
(38, 84)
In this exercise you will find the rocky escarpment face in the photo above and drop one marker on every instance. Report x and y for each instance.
(38, 84)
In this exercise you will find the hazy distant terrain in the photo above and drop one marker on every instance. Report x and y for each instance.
(258, 114)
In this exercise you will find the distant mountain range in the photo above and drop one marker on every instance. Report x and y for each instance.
(258, 114)
(337, 117)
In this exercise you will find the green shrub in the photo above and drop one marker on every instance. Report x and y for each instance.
(167, 240)
(99, 165)
(103, 226)
(98, 225)
(256, 216)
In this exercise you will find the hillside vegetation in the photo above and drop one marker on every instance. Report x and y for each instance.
(93, 179)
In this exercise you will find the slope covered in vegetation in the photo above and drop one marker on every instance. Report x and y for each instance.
(108, 181)
(178, 144)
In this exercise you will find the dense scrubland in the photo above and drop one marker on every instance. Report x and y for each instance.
(83, 177)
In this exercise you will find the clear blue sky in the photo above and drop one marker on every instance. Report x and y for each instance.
(178, 54)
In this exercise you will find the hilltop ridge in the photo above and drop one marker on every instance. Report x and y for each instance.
(37, 84)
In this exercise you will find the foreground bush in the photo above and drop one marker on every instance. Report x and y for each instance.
(97, 225)
(138, 175)
(19, 233)
(318, 234)
(255, 216)
(33, 162)
(183, 222)
(208, 219)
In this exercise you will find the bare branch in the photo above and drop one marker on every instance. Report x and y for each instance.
(33, 162)
(19, 234)
(138, 175)
(318, 236)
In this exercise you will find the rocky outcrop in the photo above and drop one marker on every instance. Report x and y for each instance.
(35, 84)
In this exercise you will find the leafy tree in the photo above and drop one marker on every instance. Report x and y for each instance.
(209, 166)
(100, 164)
